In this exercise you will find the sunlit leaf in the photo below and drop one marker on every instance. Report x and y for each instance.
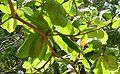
(84, 62)
(10, 24)
(61, 43)
(60, 1)
(89, 49)
(67, 5)
(26, 65)
(65, 30)
(5, 9)
(105, 38)
(116, 23)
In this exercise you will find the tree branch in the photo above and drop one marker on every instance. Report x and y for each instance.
(42, 34)
(11, 8)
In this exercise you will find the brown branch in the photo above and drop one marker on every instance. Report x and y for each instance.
(41, 33)
(11, 8)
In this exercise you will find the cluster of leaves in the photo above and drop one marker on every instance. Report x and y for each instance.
(74, 32)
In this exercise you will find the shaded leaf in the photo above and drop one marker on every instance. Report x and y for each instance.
(39, 22)
(70, 43)
(52, 7)
(23, 50)
(27, 10)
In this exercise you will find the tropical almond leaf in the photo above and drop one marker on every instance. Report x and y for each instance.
(23, 50)
(10, 24)
(70, 43)
(52, 7)
(5, 9)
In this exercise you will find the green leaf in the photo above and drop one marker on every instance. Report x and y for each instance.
(99, 21)
(46, 58)
(77, 22)
(10, 24)
(65, 30)
(60, 1)
(36, 47)
(89, 49)
(84, 62)
(96, 44)
(70, 43)
(100, 66)
(116, 23)
(67, 6)
(104, 38)
(27, 10)
(20, 2)
(4, 1)
(39, 22)
(61, 43)
(92, 34)
(52, 8)
(105, 71)
(43, 51)
(100, 34)
(23, 50)
(26, 65)
(112, 61)
(79, 2)
(5, 9)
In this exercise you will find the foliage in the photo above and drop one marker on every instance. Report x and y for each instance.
(9, 63)
(80, 35)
